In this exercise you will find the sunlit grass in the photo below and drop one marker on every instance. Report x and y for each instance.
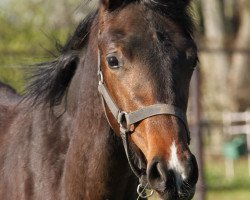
(220, 187)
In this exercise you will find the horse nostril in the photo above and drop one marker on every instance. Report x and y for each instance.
(155, 171)
(157, 175)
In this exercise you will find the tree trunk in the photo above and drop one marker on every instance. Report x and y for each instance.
(240, 70)
(215, 61)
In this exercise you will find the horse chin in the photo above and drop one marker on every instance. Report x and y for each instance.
(173, 195)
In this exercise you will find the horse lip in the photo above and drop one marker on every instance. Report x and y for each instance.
(173, 195)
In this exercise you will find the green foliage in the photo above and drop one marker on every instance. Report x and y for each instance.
(30, 31)
(13, 77)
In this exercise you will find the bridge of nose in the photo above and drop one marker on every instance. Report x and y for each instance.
(155, 136)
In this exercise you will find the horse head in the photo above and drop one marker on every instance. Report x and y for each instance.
(146, 59)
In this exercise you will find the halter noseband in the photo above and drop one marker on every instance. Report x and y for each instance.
(127, 119)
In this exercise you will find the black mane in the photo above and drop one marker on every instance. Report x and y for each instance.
(50, 80)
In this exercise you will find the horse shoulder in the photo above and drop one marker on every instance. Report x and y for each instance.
(33, 153)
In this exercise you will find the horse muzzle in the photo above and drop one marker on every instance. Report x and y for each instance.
(173, 183)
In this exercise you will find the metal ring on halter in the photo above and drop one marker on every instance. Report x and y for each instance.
(143, 193)
(122, 120)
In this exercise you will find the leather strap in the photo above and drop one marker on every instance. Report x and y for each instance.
(133, 167)
(108, 100)
(142, 113)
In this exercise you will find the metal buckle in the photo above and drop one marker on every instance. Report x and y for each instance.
(144, 192)
(123, 121)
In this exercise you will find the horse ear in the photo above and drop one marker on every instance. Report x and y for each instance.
(186, 2)
(112, 4)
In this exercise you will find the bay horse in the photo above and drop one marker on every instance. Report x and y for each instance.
(106, 119)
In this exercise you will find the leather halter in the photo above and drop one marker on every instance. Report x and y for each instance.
(128, 119)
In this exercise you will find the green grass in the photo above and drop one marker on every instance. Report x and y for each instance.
(229, 195)
(220, 187)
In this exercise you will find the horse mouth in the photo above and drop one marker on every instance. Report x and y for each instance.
(186, 192)
(172, 194)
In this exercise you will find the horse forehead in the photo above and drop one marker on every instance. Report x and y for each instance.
(136, 19)
(143, 27)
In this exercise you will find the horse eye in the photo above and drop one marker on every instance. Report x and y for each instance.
(113, 62)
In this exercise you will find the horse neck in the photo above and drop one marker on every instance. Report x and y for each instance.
(95, 161)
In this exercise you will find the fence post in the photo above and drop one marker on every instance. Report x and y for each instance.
(196, 133)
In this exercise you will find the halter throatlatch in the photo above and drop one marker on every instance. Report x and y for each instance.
(127, 120)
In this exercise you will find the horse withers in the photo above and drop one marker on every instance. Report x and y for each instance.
(8, 94)
(107, 117)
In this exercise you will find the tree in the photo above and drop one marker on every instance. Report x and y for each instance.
(240, 70)
(30, 30)
(224, 58)
(215, 61)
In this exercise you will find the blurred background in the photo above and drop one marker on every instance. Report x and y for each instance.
(219, 111)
